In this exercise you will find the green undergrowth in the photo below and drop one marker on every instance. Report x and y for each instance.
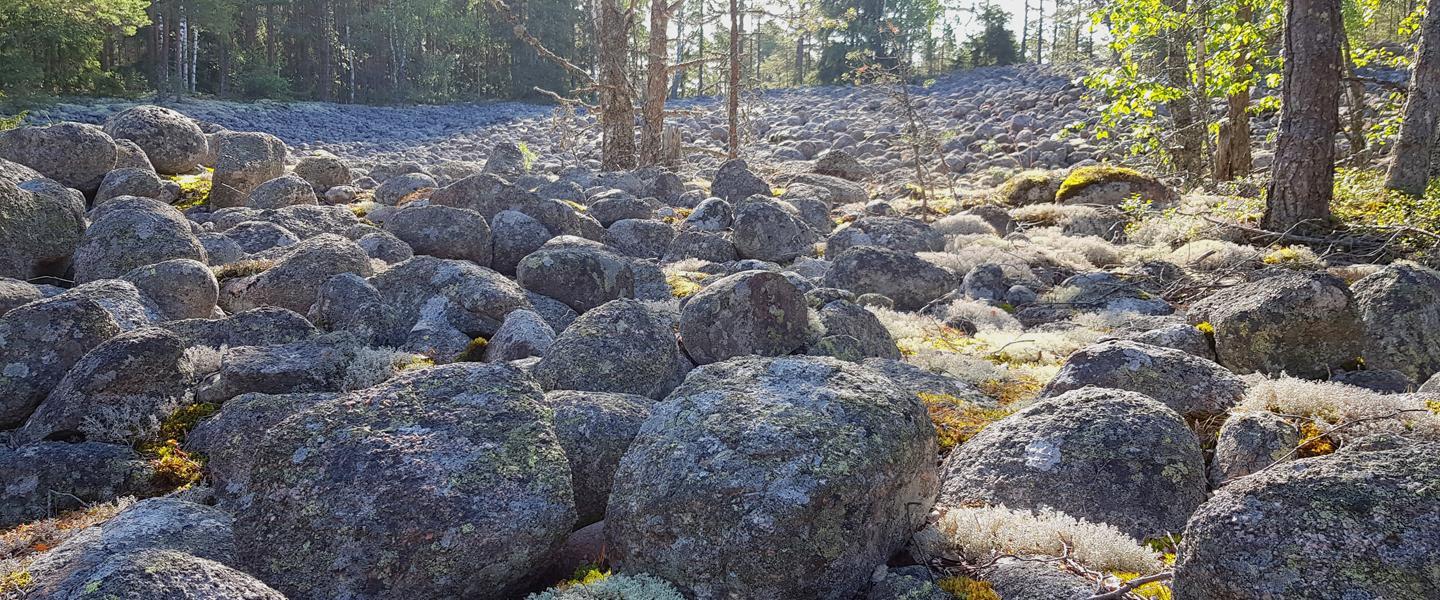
(194, 189)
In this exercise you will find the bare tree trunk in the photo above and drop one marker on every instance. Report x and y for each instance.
(1189, 129)
(1354, 96)
(732, 100)
(1040, 33)
(657, 76)
(617, 109)
(1410, 167)
(1303, 175)
(677, 81)
(1232, 153)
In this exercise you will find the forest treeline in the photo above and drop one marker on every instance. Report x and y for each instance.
(380, 51)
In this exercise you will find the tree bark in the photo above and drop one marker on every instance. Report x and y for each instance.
(657, 78)
(1303, 175)
(617, 108)
(1233, 159)
(732, 100)
(1189, 129)
(1410, 167)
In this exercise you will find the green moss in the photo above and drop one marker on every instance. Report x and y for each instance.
(474, 351)
(1084, 177)
(1018, 187)
(194, 189)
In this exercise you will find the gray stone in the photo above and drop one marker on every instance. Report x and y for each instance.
(115, 391)
(180, 288)
(895, 233)
(1192, 386)
(293, 281)
(1359, 523)
(1102, 455)
(323, 171)
(173, 143)
(255, 327)
(770, 230)
(1249, 442)
(78, 156)
(443, 232)
(523, 334)
(748, 313)
(734, 182)
(1305, 325)
(130, 232)
(623, 346)
(40, 228)
(48, 478)
(824, 462)
(136, 182)
(596, 429)
(282, 191)
(483, 474)
(581, 273)
(640, 238)
(1400, 309)
(901, 276)
(242, 162)
(43, 340)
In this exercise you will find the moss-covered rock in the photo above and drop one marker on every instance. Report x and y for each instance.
(788, 477)
(1113, 186)
(1359, 523)
(1098, 454)
(443, 482)
(1029, 187)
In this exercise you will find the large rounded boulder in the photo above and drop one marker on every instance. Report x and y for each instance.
(443, 232)
(243, 161)
(788, 477)
(443, 482)
(596, 429)
(751, 312)
(901, 276)
(173, 142)
(42, 340)
(130, 232)
(1098, 454)
(1303, 324)
(581, 273)
(770, 230)
(40, 226)
(1400, 307)
(1359, 523)
(76, 155)
(623, 346)
(1192, 386)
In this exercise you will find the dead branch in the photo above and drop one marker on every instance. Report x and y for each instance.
(1337, 428)
(533, 42)
(1132, 585)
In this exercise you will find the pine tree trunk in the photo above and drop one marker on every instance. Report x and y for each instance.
(1233, 159)
(1410, 167)
(657, 77)
(617, 109)
(732, 100)
(1303, 174)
